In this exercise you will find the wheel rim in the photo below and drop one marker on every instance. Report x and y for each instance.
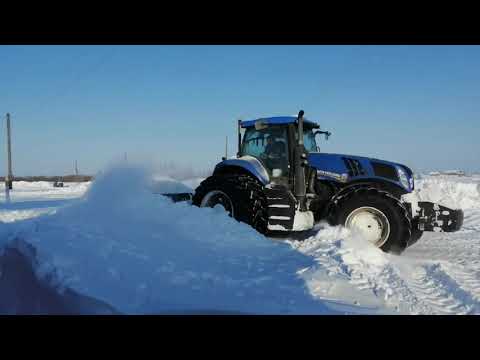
(218, 198)
(371, 222)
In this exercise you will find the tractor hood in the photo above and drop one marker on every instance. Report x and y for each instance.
(348, 168)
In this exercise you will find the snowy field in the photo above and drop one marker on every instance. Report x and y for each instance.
(115, 241)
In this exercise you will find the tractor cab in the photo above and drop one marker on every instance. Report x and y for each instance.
(273, 140)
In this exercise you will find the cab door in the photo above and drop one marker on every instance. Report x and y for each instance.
(271, 147)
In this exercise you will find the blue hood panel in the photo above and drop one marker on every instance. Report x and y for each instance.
(335, 167)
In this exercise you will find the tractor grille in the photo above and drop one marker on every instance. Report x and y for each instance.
(386, 171)
(354, 167)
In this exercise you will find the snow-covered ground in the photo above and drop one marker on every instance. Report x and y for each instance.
(440, 274)
(115, 241)
(31, 199)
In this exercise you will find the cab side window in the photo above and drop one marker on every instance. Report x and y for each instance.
(270, 146)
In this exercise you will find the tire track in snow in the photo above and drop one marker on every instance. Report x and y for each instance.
(411, 288)
(368, 270)
(409, 284)
(438, 290)
(468, 280)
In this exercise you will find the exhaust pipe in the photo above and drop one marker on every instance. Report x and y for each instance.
(300, 187)
(239, 130)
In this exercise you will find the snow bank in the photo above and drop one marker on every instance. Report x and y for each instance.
(141, 253)
(453, 192)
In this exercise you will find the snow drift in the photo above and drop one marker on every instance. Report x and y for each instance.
(121, 248)
(141, 253)
(448, 191)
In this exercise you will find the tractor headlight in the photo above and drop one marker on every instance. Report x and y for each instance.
(404, 179)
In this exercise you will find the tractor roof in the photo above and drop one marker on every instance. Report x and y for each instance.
(278, 120)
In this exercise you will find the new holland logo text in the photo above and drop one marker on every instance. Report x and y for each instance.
(339, 177)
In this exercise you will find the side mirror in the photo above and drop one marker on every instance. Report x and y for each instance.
(326, 133)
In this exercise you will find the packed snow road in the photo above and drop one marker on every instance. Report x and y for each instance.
(139, 253)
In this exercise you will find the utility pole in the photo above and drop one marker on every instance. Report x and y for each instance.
(9, 177)
(76, 168)
(226, 147)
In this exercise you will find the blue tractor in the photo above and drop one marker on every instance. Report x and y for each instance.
(280, 181)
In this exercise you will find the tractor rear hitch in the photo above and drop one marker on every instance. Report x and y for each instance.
(438, 218)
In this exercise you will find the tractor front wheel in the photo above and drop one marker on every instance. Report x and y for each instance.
(240, 195)
(377, 215)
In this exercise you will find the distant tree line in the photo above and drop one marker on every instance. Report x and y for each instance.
(171, 169)
(64, 178)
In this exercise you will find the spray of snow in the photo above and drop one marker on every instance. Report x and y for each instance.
(141, 253)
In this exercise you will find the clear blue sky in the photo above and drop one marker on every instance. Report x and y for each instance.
(419, 105)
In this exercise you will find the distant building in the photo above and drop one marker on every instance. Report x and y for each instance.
(448, 172)
(455, 172)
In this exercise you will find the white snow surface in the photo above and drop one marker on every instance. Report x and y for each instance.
(116, 241)
(143, 254)
(31, 199)
(440, 274)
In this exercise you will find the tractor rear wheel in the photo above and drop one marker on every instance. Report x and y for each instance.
(240, 195)
(378, 215)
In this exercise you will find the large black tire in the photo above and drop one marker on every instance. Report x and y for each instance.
(397, 215)
(246, 194)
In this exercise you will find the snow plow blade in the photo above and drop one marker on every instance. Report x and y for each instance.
(438, 218)
(177, 197)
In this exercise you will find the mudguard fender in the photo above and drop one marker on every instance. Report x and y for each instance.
(347, 191)
(248, 163)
